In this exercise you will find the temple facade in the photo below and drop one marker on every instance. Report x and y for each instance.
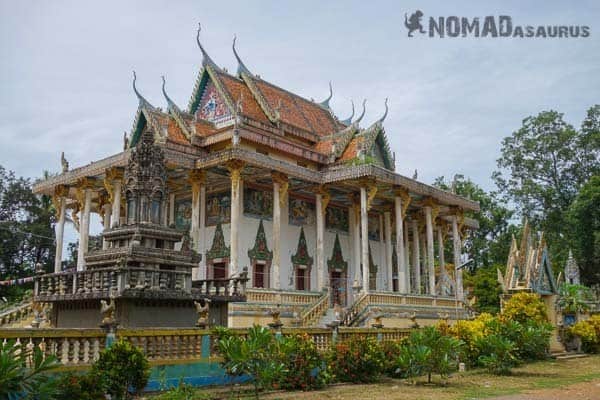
(268, 182)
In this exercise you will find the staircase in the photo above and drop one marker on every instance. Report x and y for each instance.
(327, 318)
(563, 355)
(18, 316)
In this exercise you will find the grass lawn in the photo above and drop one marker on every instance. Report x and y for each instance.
(545, 375)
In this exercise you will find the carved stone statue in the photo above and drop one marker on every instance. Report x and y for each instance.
(108, 312)
(413, 318)
(275, 313)
(202, 311)
(64, 162)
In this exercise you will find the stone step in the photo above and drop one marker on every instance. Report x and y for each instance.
(571, 356)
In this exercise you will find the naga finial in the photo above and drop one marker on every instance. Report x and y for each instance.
(386, 111)
(137, 93)
(206, 57)
(241, 66)
(348, 120)
(64, 163)
(363, 112)
(325, 103)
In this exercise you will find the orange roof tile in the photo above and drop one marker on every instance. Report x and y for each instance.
(237, 88)
(351, 150)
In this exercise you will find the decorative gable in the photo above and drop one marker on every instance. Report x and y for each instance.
(336, 262)
(260, 251)
(302, 257)
(218, 248)
(212, 106)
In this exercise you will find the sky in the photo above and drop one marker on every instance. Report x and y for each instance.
(66, 71)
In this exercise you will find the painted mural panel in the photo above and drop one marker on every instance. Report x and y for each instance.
(212, 106)
(374, 228)
(258, 203)
(218, 208)
(183, 214)
(336, 219)
(301, 212)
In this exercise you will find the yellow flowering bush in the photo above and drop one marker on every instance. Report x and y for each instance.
(524, 307)
(589, 333)
(470, 331)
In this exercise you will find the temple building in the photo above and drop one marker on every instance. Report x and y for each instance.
(268, 182)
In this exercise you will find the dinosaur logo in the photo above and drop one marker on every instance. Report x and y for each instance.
(414, 22)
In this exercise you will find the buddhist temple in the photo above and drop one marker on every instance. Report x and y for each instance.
(252, 179)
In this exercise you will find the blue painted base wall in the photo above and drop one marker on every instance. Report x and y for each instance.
(201, 373)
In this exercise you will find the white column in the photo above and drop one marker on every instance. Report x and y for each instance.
(416, 255)
(84, 230)
(116, 204)
(430, 249)
(364, 239)
(407, 266)
(387, 221)
(202, 234)
(171, 209)
(235, 170)
(355, 227)
(196, 179)
(60, 230)
(403, 277)
(441, 258)
(276, 281)
(106, 219)
(424, 269)
(456, 242)
(320, 257)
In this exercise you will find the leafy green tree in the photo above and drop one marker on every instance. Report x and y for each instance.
(573, 298)
(485, 289)
(489, 244)
(26, 227)
(584, 224)
(542, 167)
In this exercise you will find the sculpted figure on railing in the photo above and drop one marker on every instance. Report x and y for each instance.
(202, 311)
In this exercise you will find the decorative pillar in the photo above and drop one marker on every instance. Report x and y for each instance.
(368, 191)
(407, 258)
(424, 269)
(202, 235)
(416, 255)
(197, 178)
(387, 221)
(60, 205)
(84, 196)
(280, 187)
(235, 172)
(355, 229)
(430, 249)
(441, 258)
(456, 245)
(401, 202)
(106, 210)
(322, 200)
(171, 209)
(113, 185)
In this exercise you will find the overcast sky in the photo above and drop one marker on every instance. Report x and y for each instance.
(65, 71)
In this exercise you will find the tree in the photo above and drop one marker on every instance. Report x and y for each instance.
(584, 230)
(542, 167)
(488, 245)
(26, 227)
(485, 289)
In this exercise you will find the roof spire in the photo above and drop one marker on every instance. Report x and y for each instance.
(385, 113)
(169, 101)
(363, 112)
(139, 96)
(325, 103)
(241, 67)
(348, 120)
(205, 57)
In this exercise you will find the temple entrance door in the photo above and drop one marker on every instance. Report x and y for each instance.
(395, 284)
(302, 278)
(259, 275)
(219, 271)
(338, 288)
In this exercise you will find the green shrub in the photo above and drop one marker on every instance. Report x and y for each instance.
(183, 392)
(303, 364)
(121, 368)
(497, 354)
(80, 387)
(588, 332)
(411, 361)
(23, 371)
(253, 355)
(524, 307)
(357, 360)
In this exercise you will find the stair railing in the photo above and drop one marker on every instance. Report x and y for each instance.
(318, 309)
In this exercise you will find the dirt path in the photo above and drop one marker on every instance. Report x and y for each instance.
(580, 391)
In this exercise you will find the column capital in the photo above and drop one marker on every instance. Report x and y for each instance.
(355, 201)
(114, 174)
(371, 186)
(235, 168)
(83, 184)
(197, 176)
(58, 198)
(325, 196)
(284, 184)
